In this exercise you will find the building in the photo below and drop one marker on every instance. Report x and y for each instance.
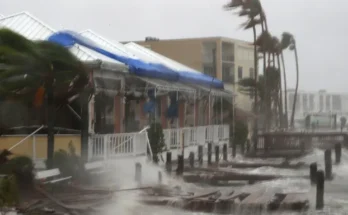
(226, 59)
(323, 102)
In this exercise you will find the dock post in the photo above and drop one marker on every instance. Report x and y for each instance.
(192, 159)
(169, 162)
(313, 172)
(200, 155)
(320, 190)
(328, 164)
(159, 177)
(209, 153)
(224, 152)
(138, 172)
(180, 168)
(338, 152)
(217, 154)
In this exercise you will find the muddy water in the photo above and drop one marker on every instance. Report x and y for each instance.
(336, 191)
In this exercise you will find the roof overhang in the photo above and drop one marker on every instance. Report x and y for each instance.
(168, 86)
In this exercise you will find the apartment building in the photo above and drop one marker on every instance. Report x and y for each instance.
(321, 101)
(226, 59)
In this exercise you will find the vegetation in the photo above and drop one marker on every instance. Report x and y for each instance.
(343, 121)
(9, 193)
(268, 101)
(31, 71)
(156, 138)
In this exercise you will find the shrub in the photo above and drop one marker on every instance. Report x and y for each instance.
(9, 193)
(22, 168)
(156, 138)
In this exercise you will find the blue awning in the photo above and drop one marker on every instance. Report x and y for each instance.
(138, 67)
(200, 79)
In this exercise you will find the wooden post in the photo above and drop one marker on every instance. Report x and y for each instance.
(138, 172)
(192, 159)
(169, 162)
(338, 152)
(224, 152)
(200, 155)
(209, 153)
(313, 172)
(159, 177)
(217, 154)
(320, 190)
(328, 164)
(180, 168)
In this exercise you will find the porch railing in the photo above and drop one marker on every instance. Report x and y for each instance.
(109, 146)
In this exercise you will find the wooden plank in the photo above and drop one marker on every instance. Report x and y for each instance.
(295, 201)
(258, 198)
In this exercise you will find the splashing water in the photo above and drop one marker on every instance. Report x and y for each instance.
(336, 191)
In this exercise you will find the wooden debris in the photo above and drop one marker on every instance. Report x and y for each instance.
(285, 165)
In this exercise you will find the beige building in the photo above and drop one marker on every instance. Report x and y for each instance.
(226, 59)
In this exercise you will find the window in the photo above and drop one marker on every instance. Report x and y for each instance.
(336, 103)
(208, 69)
(251, 73)
(305, 102)
(228, 73)
(311, 102)
(209, 51)
(321, 103)
(240, 72)
(227, 51)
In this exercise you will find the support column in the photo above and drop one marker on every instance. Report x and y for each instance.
(164, 107)
(181, 114)
(197, 113)
(119, 114)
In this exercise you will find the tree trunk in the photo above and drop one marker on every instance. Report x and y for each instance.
(281, 94)
(286, 123)
(84, 125)
(255, 93)
(296, 89)
(50, 113)
(265, 100)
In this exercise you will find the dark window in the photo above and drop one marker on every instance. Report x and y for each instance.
(251, 73)
(240, 72)
(228, 73)
(208, 69)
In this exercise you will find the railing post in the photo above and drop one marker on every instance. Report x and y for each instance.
(200, 155)
(105, 145)
(34, 149)
(217, 153)
(224, 152)
(338, 152)
(138, 173)
(320, 190)
(328, 164)
(209, 153)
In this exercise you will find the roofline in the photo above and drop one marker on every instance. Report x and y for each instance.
(193, 38)
(31, 16)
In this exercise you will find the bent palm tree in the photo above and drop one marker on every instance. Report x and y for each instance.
(34, 70)
(288, 40)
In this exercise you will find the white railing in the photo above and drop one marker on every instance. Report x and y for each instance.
(110, 146)
(189, 136)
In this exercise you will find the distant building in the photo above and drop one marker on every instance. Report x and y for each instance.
(226, 59)
(319, 102)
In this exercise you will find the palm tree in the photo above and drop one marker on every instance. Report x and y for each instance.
(250, 9)
(288, 41)
(37, 70)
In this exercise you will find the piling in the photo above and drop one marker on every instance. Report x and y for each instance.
(209, 153)
(320, 190)
(338, 152)
(192, 159)
(217, 154)
(200, 155)
(159, 177)
(180, 168)
(328, 164)
(138, 172)
(169, 162)
(313, 172)
(224, 152)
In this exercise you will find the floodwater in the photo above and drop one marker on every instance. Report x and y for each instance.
(336, 191)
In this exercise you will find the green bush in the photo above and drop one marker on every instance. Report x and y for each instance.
(9, 192)
(156, 138)
(69, 164)
(22, 168)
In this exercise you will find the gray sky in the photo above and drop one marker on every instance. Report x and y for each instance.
(321, 42)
